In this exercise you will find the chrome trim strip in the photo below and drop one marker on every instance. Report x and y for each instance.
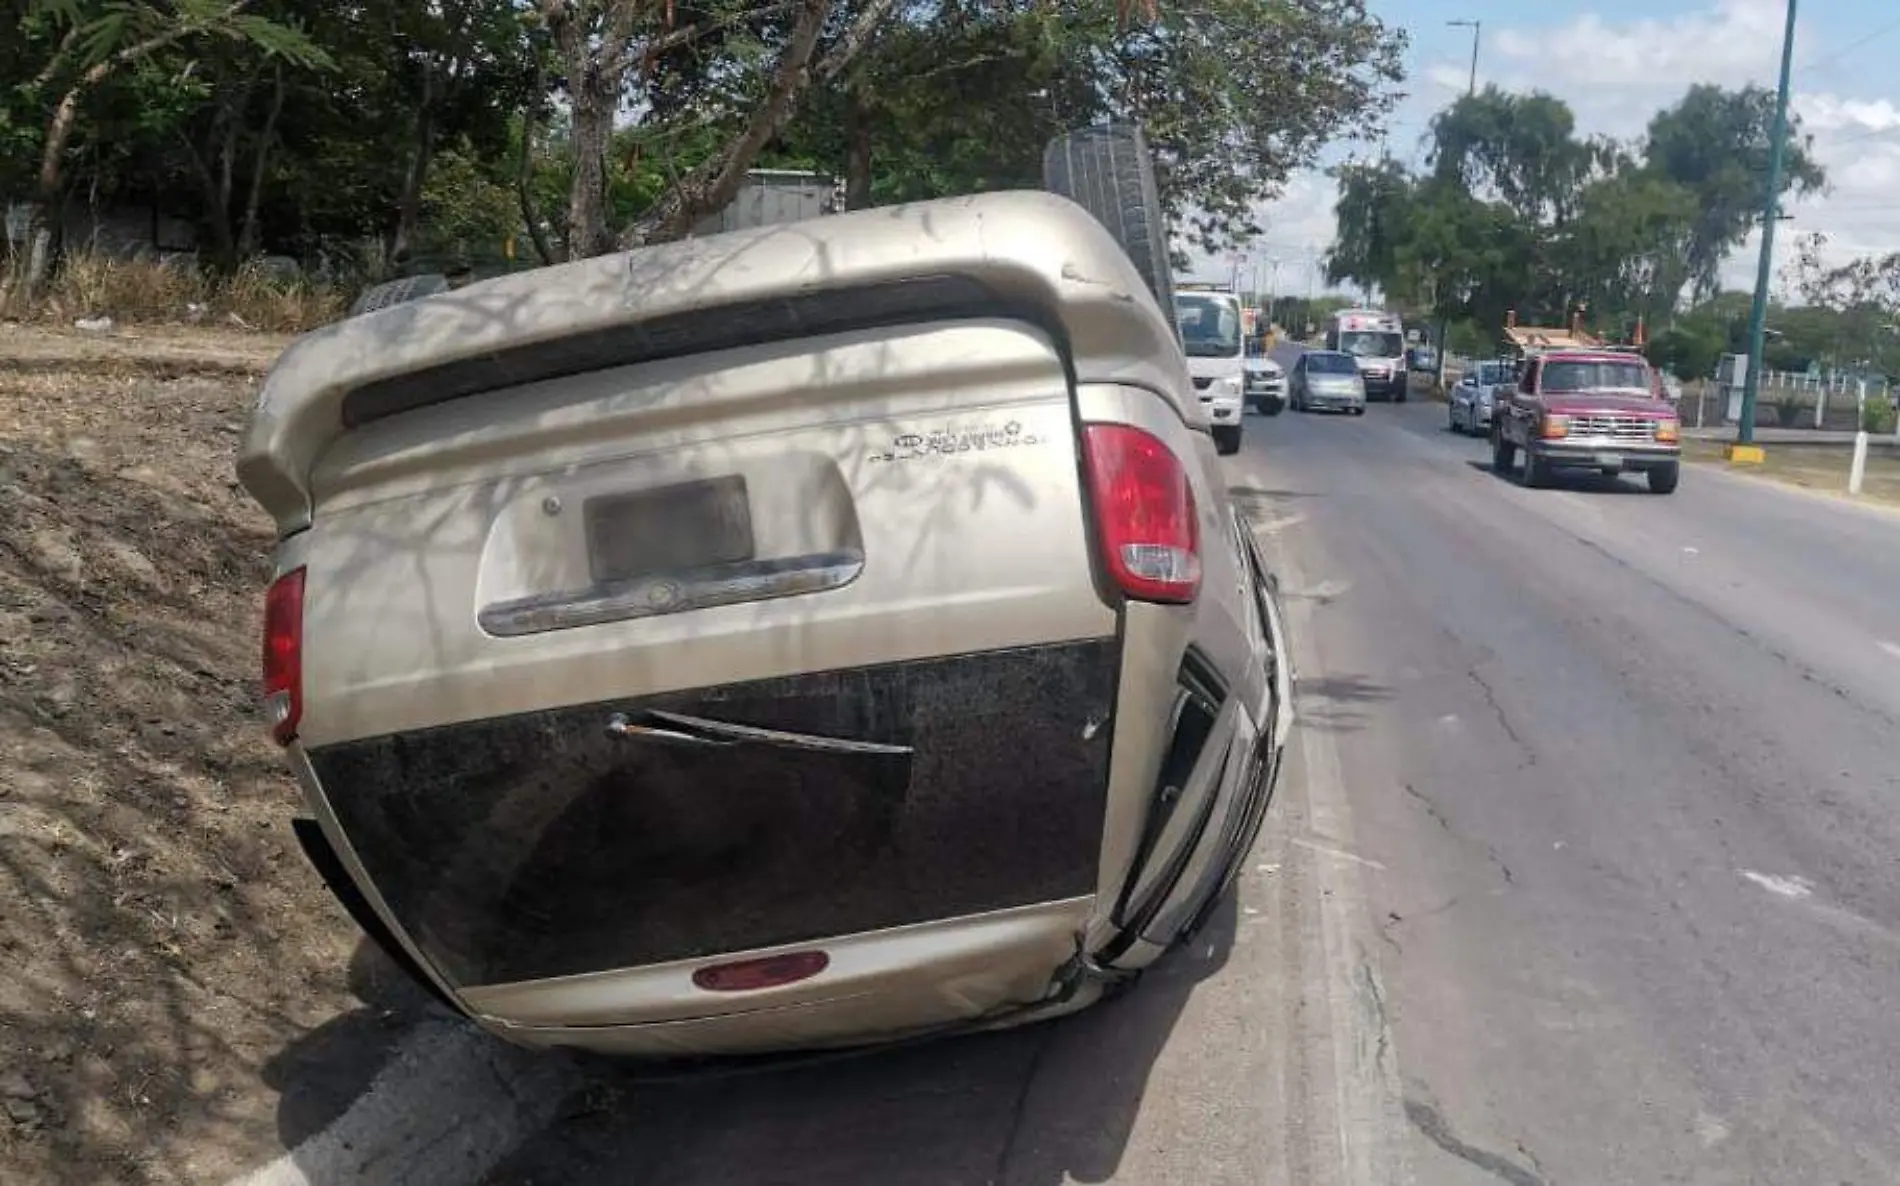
(727, 584)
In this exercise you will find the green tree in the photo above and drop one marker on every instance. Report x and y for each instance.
(1517, 212)
(1715, 143)
(101, 38)
(960, 95)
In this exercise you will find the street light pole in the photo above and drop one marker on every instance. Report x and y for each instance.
(1758, 310)
(1477, 31)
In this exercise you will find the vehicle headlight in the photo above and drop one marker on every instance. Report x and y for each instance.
(1668, 431)
(1555, 427)
(1228, 386)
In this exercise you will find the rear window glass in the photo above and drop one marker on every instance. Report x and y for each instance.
(1331, 364)
(1590, 375)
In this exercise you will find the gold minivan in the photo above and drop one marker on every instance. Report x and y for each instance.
(807, 636)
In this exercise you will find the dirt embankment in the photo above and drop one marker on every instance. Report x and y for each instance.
(161, 939)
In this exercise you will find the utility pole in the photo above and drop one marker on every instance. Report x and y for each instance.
(1744, 448)
(1477, 30)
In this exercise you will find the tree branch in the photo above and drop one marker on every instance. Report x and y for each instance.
(60, 129)
(712, 183)
(853, 41)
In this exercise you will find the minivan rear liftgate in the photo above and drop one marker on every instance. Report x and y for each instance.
(712, 656)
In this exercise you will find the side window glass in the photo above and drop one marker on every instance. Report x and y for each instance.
(1529, 384)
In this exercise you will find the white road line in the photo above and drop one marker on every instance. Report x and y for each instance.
(1787, 887)
(1364, 1145)
(449, 1106)
(1341, 853)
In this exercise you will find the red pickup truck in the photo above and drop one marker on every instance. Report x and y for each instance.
(1599, 410)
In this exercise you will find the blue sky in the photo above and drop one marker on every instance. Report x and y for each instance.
(1616, 62)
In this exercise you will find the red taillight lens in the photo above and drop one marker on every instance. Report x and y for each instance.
(1144, 508)
(283, 655)
(773, 971)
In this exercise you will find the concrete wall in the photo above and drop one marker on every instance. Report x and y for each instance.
(774, 196)
(120, 231)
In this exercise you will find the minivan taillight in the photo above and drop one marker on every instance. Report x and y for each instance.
(283, 655)
(1144, 509)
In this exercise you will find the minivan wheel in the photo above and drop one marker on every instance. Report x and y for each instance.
(1227, 440)
(1107, 170)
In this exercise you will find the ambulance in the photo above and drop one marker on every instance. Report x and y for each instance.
(1376, 341)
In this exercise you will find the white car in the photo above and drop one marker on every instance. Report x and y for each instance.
(1328, 380)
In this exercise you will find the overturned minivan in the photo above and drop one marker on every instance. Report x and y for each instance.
(800, 637)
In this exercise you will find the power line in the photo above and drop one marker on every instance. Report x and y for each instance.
(1850, 47)
(1869, 134)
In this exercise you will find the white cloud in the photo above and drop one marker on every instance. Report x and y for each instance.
(1729, 42)
(1615, 75)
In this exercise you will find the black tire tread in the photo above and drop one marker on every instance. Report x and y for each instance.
(1107, 170)
(398, 291)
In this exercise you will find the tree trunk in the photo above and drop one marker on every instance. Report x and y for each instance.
(524, 173)
(249, 237)
(857, 161)
(592, 124)
(214, 172)
(409, 203)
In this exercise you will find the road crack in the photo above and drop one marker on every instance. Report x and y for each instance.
(1372, 998)
(1437, 1130)
(1503, 718)
(1431, 808)
(1490, 851)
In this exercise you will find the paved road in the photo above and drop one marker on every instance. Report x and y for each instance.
(1629, 768)
(1587, 870)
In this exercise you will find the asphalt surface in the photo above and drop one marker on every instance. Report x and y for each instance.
(1586, 870)
(1629, 766)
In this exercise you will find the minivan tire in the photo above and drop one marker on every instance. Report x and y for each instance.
(398, 291)
(1108, 171)
(1226, 440)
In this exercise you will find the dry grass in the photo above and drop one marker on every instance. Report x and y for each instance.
(1814, 467)
(146, 292)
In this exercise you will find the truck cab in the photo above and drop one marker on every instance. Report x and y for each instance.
(1212, 324)
(1595, 409)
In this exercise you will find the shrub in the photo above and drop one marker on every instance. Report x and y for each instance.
(153, 292)
(1879, 415)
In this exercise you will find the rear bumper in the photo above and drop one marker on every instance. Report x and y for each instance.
(880, 986)
(1317, 399)
(1628, 457)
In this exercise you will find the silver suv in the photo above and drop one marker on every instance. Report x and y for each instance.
(799, 637)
